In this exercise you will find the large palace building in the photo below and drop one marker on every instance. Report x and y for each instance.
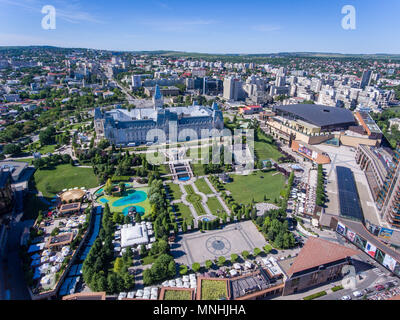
(123, 127)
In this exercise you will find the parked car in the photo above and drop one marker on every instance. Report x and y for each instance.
(367, 290)
(357, 294)
(379, 287)
(345, 298)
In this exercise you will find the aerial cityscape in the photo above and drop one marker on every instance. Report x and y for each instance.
(163, 171)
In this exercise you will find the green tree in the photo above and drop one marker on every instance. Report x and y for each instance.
(118, 265)
(208, 264)
(196, 267)
(221, 261)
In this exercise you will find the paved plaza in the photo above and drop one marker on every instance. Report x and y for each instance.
(234, 238)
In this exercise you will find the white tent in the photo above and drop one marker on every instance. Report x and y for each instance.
(237, 266)
(233, 273)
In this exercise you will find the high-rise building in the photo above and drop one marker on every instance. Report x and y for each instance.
(280, 81)
(233, 89)
(388, 201)
(366, 79)
(136, 81)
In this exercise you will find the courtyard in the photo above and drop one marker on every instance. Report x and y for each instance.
(209, 245)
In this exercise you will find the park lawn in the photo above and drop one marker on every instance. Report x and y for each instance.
(175, 191)
(195, 200)
(198, 170)
(145, 204)
(183, 212)
(43, 150)
(214, 205)
(196, 153)
(213, 290)
(203, 187)
(28, 160)
(52, 181)
(245, 188)
(264, 149)
(177, 295)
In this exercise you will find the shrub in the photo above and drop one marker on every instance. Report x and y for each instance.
(315, 295)
(183, 270)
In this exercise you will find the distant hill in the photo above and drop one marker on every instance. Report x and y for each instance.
(183, 54)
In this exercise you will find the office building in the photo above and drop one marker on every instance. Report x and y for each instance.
(389, 197)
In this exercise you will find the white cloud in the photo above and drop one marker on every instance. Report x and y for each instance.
(266, 28)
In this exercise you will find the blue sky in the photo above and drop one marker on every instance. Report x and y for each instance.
(217, 26)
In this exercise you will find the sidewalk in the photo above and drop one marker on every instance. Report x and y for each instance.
(300, 296)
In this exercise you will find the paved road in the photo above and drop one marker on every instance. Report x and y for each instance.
(11, 274)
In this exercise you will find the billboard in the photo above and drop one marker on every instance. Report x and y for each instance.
(385, 233)
(341, 228)
(314, 155)
(304, 150)
(389, 262)
(370, 249)
(350, 235)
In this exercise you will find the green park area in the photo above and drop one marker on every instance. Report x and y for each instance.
(198, 169)
(203, 187)
(213, 290)
(132, 197)
(177, 295)
(65, 176)
(174, 190)
(215, 206)
(38, 148)
(195, 200)
(255, 186)
(265, 149)
(183, 213)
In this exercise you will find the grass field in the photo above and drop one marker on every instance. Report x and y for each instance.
(264, 149)
(175, 191)
(203, 187)
(145, 204)
(198, 170)
(177, 295)
(214, 205)
(184, 213)
(64, 176)
(213, 290)
(245, 188)
(42, 150)
(28, 160)
(195, 200)
(196, 153)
